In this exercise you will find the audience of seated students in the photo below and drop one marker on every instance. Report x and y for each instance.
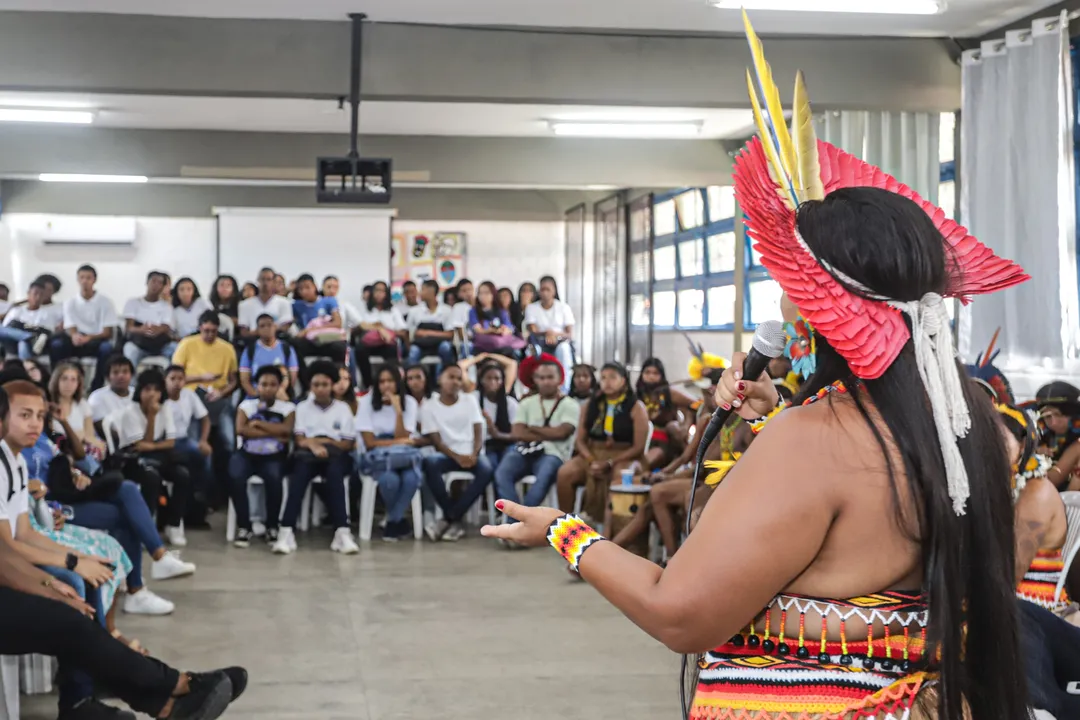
(431, 327)
(381, 331)
(325, 438)
(453, 423)
(365, 294)
(417, 384)
(459, 312)
(543, 431)
(526, 297)
(28, 329)
(116, 394)
(280, 287)
(89, 321)
(663, 403)
(494, 393)
(550, 323)
(504, 300)
(410, 298)
(187, 307)
(345, 389)
(210, 368)
(192, 447)
(225, 297)
(583, 383)
(69, 405)
(267, 349)
(490, 327)
(264, 424)
(386, 423)
(250, 289)
(350, 315)
(611, 434)
(149, 323)
(147, 439)
(267, 302)
(449, 297)
(319, 330)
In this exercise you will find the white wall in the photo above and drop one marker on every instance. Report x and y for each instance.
(674, 351)
(504, 252)
(178, 246)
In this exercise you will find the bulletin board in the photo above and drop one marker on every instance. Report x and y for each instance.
(420, 256)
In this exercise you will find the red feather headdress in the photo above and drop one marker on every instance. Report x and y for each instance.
(777, 171)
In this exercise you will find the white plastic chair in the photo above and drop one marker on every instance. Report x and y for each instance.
(1072, 537)
(579, 494)
(9, 687)
(473, 516)
(550, 500)
(257, 503)
(368, 491)
(311, 511)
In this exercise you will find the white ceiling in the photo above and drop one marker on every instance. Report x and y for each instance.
(376, 118)
(961, 18)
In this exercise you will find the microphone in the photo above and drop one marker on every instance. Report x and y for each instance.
(769, 342)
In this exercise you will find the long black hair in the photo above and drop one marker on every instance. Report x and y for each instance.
(554, 285)
(399, 386)
(517, 310)
(661, 390)
(596, 402)
(888, 244)
(176, 291)
(230, 306)
(386, 304)
(502, 409)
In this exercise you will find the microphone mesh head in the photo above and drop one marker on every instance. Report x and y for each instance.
(770, 338)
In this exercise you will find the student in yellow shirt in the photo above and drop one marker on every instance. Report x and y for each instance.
(210, 365)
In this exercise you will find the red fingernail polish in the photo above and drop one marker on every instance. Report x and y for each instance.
(741, 386)
(499, 505)
(726, 406)
(740, 397)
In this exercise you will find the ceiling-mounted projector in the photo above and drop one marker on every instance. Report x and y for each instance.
(352, 179)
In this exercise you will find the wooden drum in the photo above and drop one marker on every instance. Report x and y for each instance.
(626, 501)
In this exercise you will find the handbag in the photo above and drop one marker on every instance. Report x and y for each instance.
(428, 343)
(390, 458)
(494, 343)
(537, 446)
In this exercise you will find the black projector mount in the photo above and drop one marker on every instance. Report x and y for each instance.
(353, 179)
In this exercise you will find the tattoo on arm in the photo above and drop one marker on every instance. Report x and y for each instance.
(1029, 538)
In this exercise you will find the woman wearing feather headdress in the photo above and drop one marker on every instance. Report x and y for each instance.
(846, 590)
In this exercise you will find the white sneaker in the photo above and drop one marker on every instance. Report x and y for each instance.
(170, 566)
(435, 529)
(344, 543)
(286, 542)
(175, 536)
(39, 343)
(258, 529)
(145, 602)
(454, 533)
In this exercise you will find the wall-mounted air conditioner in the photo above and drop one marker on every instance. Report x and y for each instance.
(113, 231)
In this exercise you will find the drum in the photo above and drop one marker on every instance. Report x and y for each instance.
(626, 501)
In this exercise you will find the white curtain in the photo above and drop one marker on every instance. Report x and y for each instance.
(1017, 195)
(905, 145)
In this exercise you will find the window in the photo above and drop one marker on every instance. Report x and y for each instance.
(721, 305)
(691, 209)
(691, 308)
(722, 252)
(692, 258)
(639, 268)
(664, 218)
(664, 309)
(765, 301)
(639, 310)
(947, 198)
(664, 263)
(721, 201)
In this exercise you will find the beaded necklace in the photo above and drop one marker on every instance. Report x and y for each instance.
(837, 387)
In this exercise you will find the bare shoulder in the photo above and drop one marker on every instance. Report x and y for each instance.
(1040, 498)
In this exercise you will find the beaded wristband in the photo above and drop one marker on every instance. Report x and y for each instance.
(758, 425)
(571, 537)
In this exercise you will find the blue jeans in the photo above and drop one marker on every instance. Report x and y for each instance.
(16, 341)
(495, 455)
(437, 465)
(126, 517)
(271, 468)
(136, 354)
(445, 351)
(333, 470)
(397, 488)
(515, 466)
(198, 465)
(75, 685)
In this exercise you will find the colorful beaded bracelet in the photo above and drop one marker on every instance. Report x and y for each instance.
(758, 425)
(571, 537)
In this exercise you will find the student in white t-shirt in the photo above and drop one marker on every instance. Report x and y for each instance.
(550, 323)
(325, 437)
(117, 394)
(381, 331)
(28, 328)
(89, 322)
(265, 425)
(386, 418)
(452, 421)
(146, 428)
(459, 313)
(149, 323)
(192, 447)
(431, 327)
(499, 409)
(66, 390)
(187, 307)
(267, 302)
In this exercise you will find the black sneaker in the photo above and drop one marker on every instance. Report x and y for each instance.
(238, 676)
(92, 709)
(208, 696)
(391, 532)
(271, 535)
(243, 538)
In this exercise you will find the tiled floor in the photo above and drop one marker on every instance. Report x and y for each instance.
(403, 632)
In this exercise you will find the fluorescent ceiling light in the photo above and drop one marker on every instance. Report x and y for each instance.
(86, 178)
(892, 7)
(626, 129)
(33, 115)
(33, 102)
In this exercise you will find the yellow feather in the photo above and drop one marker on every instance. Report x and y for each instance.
(802, 129)
(771, 151)
(771, 96)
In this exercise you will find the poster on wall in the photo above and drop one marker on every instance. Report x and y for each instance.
(420, 256)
